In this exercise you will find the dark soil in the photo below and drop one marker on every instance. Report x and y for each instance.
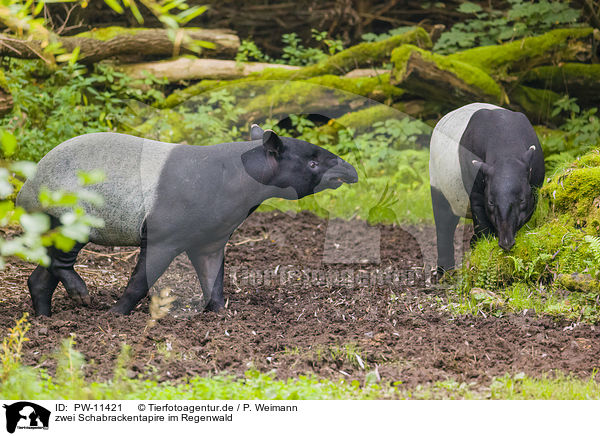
(289, 309)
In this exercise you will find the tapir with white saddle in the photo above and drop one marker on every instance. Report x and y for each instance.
(170, 199)
(486, 163)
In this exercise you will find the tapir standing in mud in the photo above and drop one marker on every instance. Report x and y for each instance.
(173, 198)
(485, 163)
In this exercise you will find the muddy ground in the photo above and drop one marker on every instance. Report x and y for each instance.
(292, 310)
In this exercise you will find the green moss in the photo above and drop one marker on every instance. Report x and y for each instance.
(494, 59)
(366, 53)
(576, 190)
(108, 33)
(469, 74)
(567, 70)
(538, 104)
(3, 82)
(578, 282)
(313, 91)
(361, 120)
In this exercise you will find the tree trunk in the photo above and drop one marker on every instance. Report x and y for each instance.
(134, 43)
(434, 78)
(560, 45)
(186, 68)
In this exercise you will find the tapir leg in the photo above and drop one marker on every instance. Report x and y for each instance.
(210, 271)
(61, 267)
(481, 224)
(445, 226)
(41, 284)
(152, 262)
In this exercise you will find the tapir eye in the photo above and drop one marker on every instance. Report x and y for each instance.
(313, 164)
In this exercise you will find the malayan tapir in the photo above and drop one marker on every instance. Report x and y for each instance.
(485, 163)
(173, 198)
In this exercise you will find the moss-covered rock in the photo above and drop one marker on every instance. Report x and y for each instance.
(442, 78)
(578, 282)
(575, 191)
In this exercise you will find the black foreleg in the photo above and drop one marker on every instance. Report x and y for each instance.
(481, 224)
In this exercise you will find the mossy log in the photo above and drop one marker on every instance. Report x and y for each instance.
(6, 101)
(362, 55)
(131, 43)
(363, 119)
(560, 45)
(328, 95)
(538, 104)
(189, 68)
(439, 78)
(577, 80)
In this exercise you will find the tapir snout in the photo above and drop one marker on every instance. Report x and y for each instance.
(342, 172)
(506, 235)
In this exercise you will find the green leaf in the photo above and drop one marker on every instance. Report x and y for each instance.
(469, 8)
(35, 222)
(9, 143)
(115, 5)
(91, 177)
(63, 242)
(5, 187)
(188, 15)
(24, 168)
(77, 231)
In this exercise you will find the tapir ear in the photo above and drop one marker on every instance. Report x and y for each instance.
(256, 132)
(528, 156)
(271, 142)
(486, 169)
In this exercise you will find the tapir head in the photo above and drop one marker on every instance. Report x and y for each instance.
(509, 199)
(293, 163)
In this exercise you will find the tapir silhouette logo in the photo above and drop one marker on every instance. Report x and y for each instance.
(24, 414)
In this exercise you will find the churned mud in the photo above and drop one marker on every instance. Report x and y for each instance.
(304, 295)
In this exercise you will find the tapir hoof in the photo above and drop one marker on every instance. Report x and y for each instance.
(120, 309)
(214, 306)
(81, 299)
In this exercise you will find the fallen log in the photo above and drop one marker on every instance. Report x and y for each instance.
(362, 120)
(575, 79)
(361, 55)
(537, 104)
(438, 78)
(134, 43)
(187, 68)
(560, 45)
(366, 72)
(327, 95)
